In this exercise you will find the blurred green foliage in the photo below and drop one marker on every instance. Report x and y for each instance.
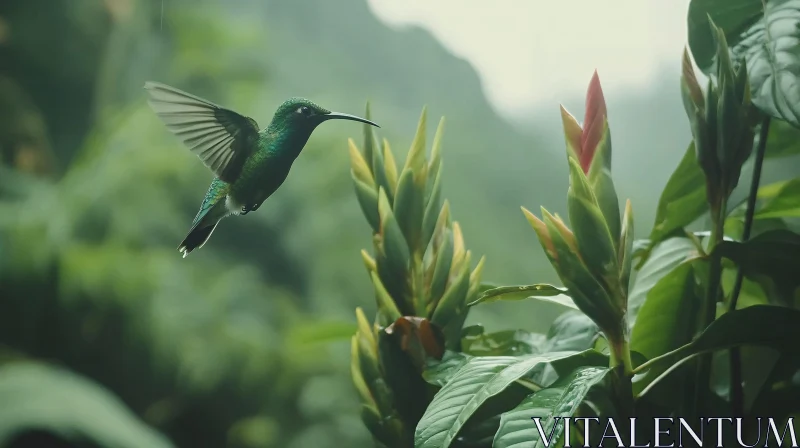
(225, 348)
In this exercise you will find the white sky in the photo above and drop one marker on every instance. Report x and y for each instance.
(531, 51)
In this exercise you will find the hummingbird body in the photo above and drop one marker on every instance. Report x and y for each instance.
(250, 164)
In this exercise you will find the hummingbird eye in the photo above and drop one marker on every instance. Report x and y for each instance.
(304, 110)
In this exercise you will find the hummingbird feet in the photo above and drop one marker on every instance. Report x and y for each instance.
(246, 209)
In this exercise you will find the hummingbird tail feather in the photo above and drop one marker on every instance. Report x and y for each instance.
(210, 214)
(196, 238)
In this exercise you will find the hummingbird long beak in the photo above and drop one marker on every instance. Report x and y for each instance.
(342, 116)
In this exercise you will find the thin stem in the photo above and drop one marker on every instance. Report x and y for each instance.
(736, 387)
(751, 203)
(703, 378)
(658, 359)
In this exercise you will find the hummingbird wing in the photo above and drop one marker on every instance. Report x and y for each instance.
(221, 138)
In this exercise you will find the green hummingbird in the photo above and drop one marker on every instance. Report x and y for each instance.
(249, 163)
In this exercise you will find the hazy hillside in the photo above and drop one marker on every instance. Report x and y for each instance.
(491, 168)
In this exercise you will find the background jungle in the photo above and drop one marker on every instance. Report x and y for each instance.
(227, 347)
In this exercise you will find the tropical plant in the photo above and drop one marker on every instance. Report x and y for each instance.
(422, 280)
(687, 322)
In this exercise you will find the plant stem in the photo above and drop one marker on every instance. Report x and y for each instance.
(751, 203)
(623, 372)
(736, 388)
(703, 378)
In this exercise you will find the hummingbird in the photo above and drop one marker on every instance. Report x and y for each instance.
(249, 163)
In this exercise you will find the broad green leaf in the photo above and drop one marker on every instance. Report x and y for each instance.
(765, 325)
(560, 299)
(785, 203)
(476, 342)
(439, 372)
(666, 320)
(734, 223)
(540, 291)
(550, 406)
(663, 258)
(771, 255)
(683, 199)
(480, 379)
(783, 140)
(37, 396)
(572, 330)
(764, 32)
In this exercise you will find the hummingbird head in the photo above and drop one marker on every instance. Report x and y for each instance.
(303, 114)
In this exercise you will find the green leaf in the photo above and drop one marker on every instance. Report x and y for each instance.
(625, 250)
(408, 208)
(572, 330)
(432, 209)
(765, 325)
(36, 396)
(683, 199)
(666, 320)
(783, 140)
(550, 405)
(607, 200)
(394, 243)
(379, 171)
(771, 255)
(370, 141)
(441, 268)
(540, 291)
(585, 289)
(439, 372)
(664, 257)
(453, 301)
(416, 154)
(368, 200)
(385, 302)
(591, 231)
(767, 34)
(785, 203)
(480, 379)
(373, 421)
(476, 342)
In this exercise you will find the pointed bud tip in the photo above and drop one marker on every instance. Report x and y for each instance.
(572, 133)
(530, 216)
(594, 121)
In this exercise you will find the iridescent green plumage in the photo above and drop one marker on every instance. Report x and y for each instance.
(250, 164)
